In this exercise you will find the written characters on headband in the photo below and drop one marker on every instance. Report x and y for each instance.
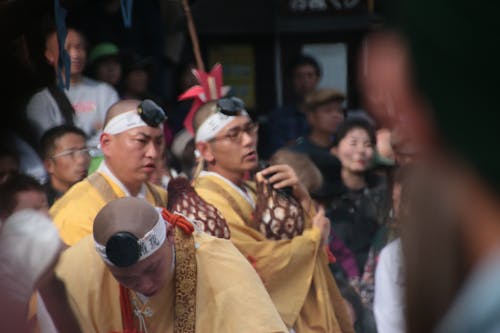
(124, 249)
(147, 113)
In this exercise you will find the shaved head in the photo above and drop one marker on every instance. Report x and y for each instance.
(205, 111)
(119, 108)
(143, 268)
(128, 214)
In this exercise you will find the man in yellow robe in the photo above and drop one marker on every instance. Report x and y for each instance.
(295, 272)
(132, 141)
(161, 275)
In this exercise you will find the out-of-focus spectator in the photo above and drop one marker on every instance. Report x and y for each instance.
(306, 170)
(66, 158)
(105, 64)
(384, 282)
(182, 149)
(288, 122)
(19, 191)
(29, 249)
(28, 160)
(103, 21)
(84, 104)
(324, 113)
(9, 161)
(451, 237)
(357, 204)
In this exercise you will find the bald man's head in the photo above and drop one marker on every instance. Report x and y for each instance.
(129, 214)
(136, 244)
(121, 107)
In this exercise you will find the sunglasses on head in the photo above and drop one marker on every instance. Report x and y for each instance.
(151, 113)
(231, 106)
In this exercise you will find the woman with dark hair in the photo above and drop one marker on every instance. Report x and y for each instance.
(357, 205)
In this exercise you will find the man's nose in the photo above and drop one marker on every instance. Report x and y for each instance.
(247, 138)
(153, 150)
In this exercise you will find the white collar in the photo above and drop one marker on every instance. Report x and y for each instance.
(104, 169)
(244, 194)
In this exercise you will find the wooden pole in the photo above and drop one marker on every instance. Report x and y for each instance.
(193, 35)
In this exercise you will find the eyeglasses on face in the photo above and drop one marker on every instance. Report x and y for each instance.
(236, 134)
(231, 106)
(151, 113)
(74, 153)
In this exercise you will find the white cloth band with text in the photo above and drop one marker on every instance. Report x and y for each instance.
(213, 124)
(148, 244)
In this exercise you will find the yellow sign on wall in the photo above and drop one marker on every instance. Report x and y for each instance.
(238, 64)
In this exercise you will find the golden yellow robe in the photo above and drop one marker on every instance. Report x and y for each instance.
(295, 272)
(229, 295)
(74, 212)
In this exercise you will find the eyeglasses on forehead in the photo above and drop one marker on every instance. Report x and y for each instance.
(152, 114)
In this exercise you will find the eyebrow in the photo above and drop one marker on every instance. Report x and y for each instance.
(148, 135)
(239, 126)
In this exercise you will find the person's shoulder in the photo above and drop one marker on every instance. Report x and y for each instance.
(78, 197)
(40, 96)
(97, 84)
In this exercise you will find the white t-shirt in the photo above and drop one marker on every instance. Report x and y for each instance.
(90, 99)
(388, 304)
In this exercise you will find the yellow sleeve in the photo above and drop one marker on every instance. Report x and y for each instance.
(231, 297)
(286, 267)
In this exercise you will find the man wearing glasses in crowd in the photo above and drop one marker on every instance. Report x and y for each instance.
(294, 271)
(66, 158)
(131, 142)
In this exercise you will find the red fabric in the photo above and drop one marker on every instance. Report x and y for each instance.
(331, 257)
(177, 221)
(126, 309)
(252, 261)
(210, 88)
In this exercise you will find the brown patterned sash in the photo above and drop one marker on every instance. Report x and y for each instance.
(185, 282)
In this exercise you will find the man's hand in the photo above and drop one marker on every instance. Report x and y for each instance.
(281, 176)
(323, 223)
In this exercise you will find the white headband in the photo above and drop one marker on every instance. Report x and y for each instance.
(148, 244)
(213, 124)
(123, 122)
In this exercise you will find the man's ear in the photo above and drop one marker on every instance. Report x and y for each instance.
(105, 142)
(334, 150)
(49, 165)
(205, 151)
